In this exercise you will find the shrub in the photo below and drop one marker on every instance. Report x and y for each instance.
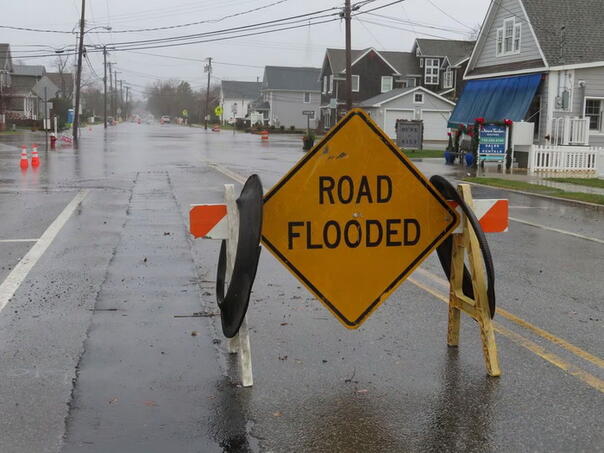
(292, 128)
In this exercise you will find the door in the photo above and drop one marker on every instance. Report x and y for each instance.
(390, 117)
(435, 125)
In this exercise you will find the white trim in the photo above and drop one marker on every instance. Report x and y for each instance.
(528, 21)
(506, 73)
(594, 64)
(457, 65)
(413, 90)
(382, 83)
(418, 102)
(379, 54)
(446, 91)
(430, 67)
(398, 110)
(437, 111)
(358, 83)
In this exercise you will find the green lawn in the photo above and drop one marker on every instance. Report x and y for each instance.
(589, 182)
(535, 188)
(423, 154)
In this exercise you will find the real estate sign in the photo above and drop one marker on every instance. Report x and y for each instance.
(492, 140)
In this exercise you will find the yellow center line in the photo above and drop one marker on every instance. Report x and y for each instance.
(527, 325)
(552, 358)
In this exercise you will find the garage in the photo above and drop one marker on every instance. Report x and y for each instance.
(390, 117)
(416, 103)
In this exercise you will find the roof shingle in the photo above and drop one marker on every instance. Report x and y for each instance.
(291, 78)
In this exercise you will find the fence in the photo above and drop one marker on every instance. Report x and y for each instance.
(564, 158)
(570, 131)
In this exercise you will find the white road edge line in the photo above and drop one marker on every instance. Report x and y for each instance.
(12, 282)
(8, 241)
(556, 230)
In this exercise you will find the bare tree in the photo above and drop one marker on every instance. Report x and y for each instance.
(472, 35)
(61, 63)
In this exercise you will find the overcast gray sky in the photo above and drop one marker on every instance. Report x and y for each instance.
(236, 59)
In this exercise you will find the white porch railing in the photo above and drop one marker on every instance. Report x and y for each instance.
(570, 131)
(552, 158)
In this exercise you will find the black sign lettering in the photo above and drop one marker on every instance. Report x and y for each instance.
(384, 194)
(326, 184)
(291, 234)
(336, 228)
(390, 232)
(406, 227)
(359, 234)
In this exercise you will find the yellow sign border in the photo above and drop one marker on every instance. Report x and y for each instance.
(409, 269)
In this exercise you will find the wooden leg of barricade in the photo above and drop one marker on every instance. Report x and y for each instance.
(477, 308)
(240, 343)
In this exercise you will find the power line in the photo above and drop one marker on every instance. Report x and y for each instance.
(448, 15)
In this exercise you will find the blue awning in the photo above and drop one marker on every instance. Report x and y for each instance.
(495, 99)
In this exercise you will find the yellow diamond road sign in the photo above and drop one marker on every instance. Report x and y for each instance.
(354, 218)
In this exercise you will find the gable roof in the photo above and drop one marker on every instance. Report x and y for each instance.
(60, 80)
(291, 78)
(5, 57)
(401, 62)
(233, 89)
(581, 41)
(22, 84)
(455, 51)
(29, 70)
(376, 101)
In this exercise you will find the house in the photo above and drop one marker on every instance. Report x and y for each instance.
(29, 88)
(373, 73)
(286, 93)
(64, 82)
(442, 64)
(541, 61)
(6, 68)
(236, 98)
(416, 103)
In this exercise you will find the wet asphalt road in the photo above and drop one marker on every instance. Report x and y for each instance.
(110, 343)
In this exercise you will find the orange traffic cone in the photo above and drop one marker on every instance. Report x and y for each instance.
(24, 160)
(264, 135)
(35, 158)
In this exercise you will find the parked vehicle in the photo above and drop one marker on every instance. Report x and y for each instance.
(164, 119)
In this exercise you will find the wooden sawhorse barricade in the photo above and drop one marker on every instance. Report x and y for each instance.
(221, 221)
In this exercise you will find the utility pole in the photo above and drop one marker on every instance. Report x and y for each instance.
(110, 87)
(105, 86)
(208, 69)
(76, 116)
(127, 98)
(348, 88)
(121, 103)
(115, 93)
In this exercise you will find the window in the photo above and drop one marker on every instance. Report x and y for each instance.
(507, 38)
(594, 110)
(421, 62)
(331, 83)
(432, 71)
(386, 83)
(499, 48)
(448, 79)
(356, 83)
(418, 98)
(404, 84)
(307, 98)
(517, 32)
(325, 79)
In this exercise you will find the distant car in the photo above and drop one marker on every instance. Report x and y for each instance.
(164, 119)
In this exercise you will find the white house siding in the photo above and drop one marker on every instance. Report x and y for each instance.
(242, 108)
(528, 46)
(286, 108)
(594, 87)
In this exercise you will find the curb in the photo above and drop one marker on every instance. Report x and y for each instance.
(598, 207)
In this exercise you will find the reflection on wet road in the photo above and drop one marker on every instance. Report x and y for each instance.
(111, 342)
